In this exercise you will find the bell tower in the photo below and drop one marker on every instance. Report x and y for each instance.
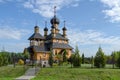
(36, 29)
(55, 21)
(64, 30)
(45, 30)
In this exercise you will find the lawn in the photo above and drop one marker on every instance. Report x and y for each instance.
(67, 73)
(9, 72)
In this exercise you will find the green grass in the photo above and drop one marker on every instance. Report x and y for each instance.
(9, 73)
(67, 73)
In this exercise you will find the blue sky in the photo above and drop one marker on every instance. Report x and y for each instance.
(90, 23)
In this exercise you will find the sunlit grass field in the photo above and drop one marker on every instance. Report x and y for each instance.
(10, 73)
(83, 73)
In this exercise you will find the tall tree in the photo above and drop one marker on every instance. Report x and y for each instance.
(71, 59)
(50, 61)
(76, 59)
(59, 58)
(92, 62)
(118, 61)
(26, 54)
(99, 60)
(113, 59)
(1, 60)
(83, 59)
(64, 56)
(5, 58)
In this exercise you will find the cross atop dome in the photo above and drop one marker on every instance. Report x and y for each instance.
(55, 20)
(54, 10)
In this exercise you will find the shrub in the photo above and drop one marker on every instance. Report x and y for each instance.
(20, 62)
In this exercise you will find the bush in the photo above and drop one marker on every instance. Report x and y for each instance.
(55, 64)
(20, 62)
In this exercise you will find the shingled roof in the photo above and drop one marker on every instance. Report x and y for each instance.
(58, 36)
(46, 47)
(36, 36)
(61, 45)
(38, 48)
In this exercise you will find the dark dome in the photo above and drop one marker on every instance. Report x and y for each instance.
(55, 20)
(64, 28)
(45, 29)
(52, 27)
(36, 27)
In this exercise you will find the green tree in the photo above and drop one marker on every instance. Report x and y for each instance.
(99, 60)
(1, 60)
(83, 59)
(118, 61)
(5, 58)
(76, 58)
(113, 58)
(10, 58)
(59, 58)
(92, 62)
(64, 56)
(71, 59)
(50, 61)
(26, 54)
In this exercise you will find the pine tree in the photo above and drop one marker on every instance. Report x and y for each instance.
(92, 61)
(26, 54)
(71, 59)
(50, 61)
(64, 56)
(118, 61)
(113, 59)
(99, 60)
(1, 60)
(76, 58)
(83, 59)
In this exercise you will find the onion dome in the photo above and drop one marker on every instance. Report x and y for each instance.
(64, 28)
(52, 27)
(45, 29)
(55, 20)
(36, 26)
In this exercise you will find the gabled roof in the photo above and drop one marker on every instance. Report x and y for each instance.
(58, 36)
(36, 36)
(38, 49)
(46, 47)
(61, 45)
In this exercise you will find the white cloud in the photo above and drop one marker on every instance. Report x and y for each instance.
(89, 41)
(12, 33)
(113, 9)
(45, 7)
(91, 37)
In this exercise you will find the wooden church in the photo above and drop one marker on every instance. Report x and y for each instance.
(41, 46)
